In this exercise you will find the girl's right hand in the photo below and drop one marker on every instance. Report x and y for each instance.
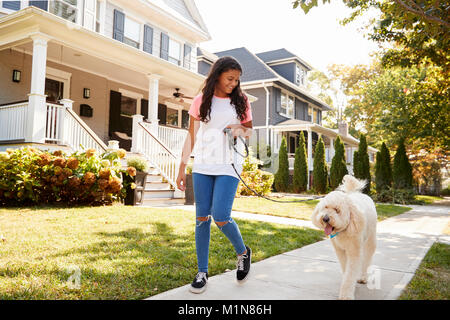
(181, 179)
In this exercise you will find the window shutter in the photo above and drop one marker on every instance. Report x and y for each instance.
(184, 119)
(164, 46)
(144, 108)
(119, 25)
(12, 5)
(277, 96)
(148, 39)
(187, 56)
(115, 102)
(162, 113)
(39, 4)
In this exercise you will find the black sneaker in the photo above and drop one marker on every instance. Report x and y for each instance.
(199, 283)
(243, 265)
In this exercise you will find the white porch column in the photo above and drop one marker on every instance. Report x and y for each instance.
(310, 162)
(136, 138)
(153, 92)
(331, 149)
(64, 129)
(37, 110)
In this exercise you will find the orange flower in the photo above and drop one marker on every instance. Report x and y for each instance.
(58, 170)
(58, 153)
(72, 163)
(67, 171)
(89, 178)
(44, 159)
(74, 182)
(105, 173)
(131, 171)
(60, 162)
(103, 184)
(115, 184)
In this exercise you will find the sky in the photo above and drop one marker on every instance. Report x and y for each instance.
(263, 25)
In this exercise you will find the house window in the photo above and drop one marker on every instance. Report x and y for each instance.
(299, 75)
(287, 105)
(132, 32)
(172, 117)
(12, 5)
(66, 9)
(174, 52)
(315, 116)
(310, 113)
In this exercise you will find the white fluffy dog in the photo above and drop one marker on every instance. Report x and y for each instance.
(349, 217)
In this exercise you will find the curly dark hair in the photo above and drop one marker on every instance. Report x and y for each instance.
(238, 99)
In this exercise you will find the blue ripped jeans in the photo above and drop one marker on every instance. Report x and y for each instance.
(214, 195)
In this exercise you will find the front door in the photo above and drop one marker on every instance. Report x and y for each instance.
(121, 111)
(54, 90)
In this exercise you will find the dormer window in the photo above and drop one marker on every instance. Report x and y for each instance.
(299, 75)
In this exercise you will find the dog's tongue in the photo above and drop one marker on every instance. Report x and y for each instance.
(328, 229)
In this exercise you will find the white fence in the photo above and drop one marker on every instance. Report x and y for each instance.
(12, 121)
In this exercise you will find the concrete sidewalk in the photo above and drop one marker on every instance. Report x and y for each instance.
(313, 272)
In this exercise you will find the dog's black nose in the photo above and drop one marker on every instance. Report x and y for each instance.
(326, 219)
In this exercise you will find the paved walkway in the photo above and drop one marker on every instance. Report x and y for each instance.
(313, 271)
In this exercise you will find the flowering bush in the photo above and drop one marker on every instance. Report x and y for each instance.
(31, 176)
(257, 179)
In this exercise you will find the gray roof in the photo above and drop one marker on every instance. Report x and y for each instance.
(279, 54)
(252, 67)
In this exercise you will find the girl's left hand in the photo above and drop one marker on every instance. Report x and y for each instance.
(236, 129)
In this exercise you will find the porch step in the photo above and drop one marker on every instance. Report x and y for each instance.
(163, 202)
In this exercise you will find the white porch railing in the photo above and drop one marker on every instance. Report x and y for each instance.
(77, 133)
(12, 121)
(172, 138)
(156, 152)
(62, 126)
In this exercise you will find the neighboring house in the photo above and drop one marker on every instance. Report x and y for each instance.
(284, 108)
(90, 71)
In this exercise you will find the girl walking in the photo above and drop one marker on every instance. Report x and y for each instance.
(220, 105)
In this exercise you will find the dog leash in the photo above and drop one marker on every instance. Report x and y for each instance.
(232, 142)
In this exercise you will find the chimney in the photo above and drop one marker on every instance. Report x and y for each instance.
(343, 128)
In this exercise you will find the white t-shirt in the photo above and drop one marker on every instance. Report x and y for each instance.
(212, 154)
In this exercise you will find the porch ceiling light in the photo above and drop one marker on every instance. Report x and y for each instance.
(86, 93)
(16, 75)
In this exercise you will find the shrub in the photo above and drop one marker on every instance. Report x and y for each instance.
(383, 170)
(281, 180)
(138, 162)
(320, 171)
(300, 178)
(338, 165)
(31, 176)
(361, 165)
(445, 192)
(400, 196)
(402, 171)
(257, 179)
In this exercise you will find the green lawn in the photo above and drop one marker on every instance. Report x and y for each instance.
(427, 199)
(121, 252)
(432, 278)
(300, 210)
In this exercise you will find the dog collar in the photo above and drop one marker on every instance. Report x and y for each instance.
(333, 235)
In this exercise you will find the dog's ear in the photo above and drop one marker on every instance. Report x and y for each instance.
(356, 219)
(314, 215)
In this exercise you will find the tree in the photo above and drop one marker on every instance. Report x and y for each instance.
(419, 29)
(383, 169)
(402, 171)
(300, 180)
(320, 171)
(281, 180)
(338, 165)
(361, 163)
